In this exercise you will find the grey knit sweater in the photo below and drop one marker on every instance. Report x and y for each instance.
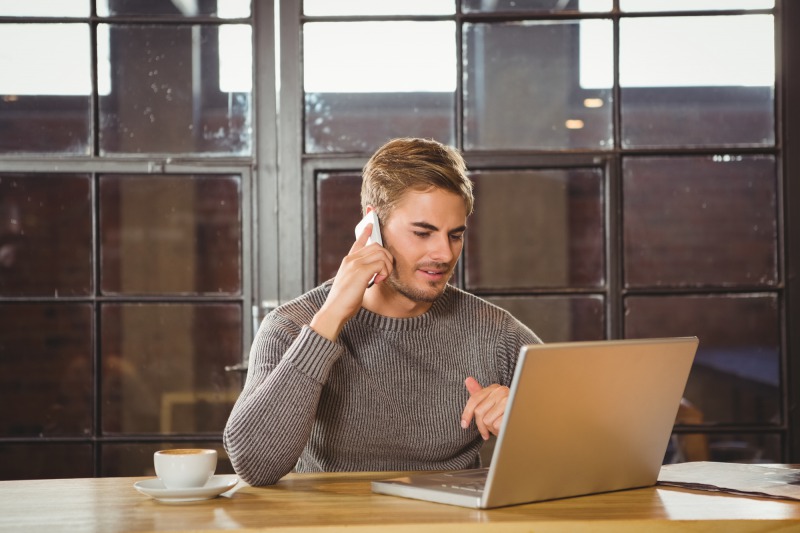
(387, 395)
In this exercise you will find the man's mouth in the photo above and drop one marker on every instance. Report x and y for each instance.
(434, 273)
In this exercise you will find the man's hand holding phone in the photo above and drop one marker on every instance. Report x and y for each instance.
(364, 265)
(370, 220)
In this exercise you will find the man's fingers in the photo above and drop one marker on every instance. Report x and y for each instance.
(362, 239)
(494, 416)
(486, 406)
(486, 412)
(364, 258)
(476, 396)
(472, 385)
(385, 266)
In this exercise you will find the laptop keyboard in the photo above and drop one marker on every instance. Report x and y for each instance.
(470, 480)
(475, 486)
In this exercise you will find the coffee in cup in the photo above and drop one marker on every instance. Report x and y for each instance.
(185, 467)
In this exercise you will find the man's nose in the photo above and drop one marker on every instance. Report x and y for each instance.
(442, 250)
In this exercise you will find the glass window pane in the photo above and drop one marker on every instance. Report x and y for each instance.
(44, 8)
(736, 373)
(46, 461)
(166, 95)
(45, 88)
(163, 367)
(558, 318)
(47, 59)
(710, 87)
(46, 350)
(700, 221)
(536, 228)
(693, 5)
(171, 234)
(538, 85)
(45, 235)
(724, 447)
(134, 460)
(367, 82)
(546, 6)
(338, 212)
(219, 8)
(378, 7)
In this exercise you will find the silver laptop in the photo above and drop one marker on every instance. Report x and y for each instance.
(582, 418)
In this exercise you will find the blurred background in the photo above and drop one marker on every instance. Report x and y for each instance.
(171, 170)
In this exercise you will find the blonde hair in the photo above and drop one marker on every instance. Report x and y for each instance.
(410, 164)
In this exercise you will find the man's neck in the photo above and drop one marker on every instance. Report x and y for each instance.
(384, 300)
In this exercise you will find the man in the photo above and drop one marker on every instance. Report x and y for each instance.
(408, 374)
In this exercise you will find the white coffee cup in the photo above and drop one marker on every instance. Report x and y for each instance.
(185, 467)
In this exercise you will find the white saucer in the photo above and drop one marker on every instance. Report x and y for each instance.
(215, 486)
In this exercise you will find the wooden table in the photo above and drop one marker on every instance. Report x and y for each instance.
(344, 502)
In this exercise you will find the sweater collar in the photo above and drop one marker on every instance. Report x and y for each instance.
(375, 320)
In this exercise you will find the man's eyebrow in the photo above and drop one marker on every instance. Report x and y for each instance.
(431, 227)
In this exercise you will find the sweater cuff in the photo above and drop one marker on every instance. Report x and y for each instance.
(313, 355)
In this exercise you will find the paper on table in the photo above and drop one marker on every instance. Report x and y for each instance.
(773, 481)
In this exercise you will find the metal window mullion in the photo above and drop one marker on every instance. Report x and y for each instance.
(782, 207)
(615, 305)
(459, 100)
(790, 128)
(264, 198)
(97, 377)
(292, 226)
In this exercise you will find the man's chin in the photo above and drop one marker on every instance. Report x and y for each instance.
(427, 294)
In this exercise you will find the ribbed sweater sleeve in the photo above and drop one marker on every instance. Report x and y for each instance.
(386, 396)
(272, 419)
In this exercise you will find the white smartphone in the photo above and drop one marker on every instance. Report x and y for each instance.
(370, 218)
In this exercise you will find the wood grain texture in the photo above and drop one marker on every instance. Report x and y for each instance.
(343, 501)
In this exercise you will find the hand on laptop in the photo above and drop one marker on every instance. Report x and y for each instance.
(486, 405)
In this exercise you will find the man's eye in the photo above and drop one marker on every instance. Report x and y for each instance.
(457, 236)
(422, 233)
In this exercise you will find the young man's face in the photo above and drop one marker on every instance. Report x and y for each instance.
(425, 235)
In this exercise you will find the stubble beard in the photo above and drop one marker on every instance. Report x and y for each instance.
(417, 295)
